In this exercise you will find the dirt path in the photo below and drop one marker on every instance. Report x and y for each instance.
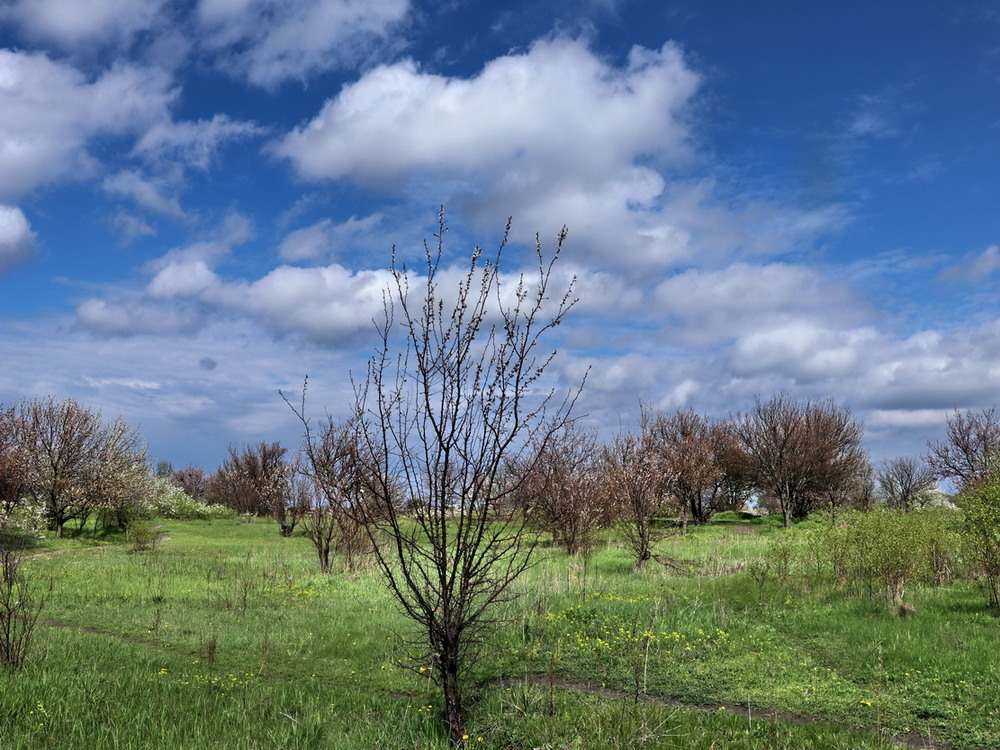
(903, 740)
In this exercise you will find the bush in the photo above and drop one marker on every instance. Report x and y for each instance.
(20, 607)
(889, 549)
(143, 535)
(981, 534)
(169, 501)
(27, 519)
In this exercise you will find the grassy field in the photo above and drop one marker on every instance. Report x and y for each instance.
(226, 636)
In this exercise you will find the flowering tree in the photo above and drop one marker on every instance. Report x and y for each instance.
(76, 461)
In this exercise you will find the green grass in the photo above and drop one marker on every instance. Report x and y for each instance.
(226, 636)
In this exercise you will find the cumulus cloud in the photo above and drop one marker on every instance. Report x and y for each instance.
(17, 241)
(539, 110)
(271, 41)
(182, 278)
(72, 24)
(51, 111)
(805, 351)
(552, 135)
(330, 303)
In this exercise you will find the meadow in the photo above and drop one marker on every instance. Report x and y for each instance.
(225, 635)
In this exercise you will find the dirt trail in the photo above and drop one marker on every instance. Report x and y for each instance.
(903, 740)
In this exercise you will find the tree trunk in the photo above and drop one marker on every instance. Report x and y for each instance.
(788, 518)
(452, 699)
(640, 563)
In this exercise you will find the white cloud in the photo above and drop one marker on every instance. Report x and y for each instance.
(17, 241)
(193, 142)
(132, 383)
(712, 306)
(51, 111)
(556, 107)
(150, 193)
(325, 237)
(329, 304)
(553, 135)
(807, 351)
(271, 41)
(974, 267)
(133, 318)
(182, 279)
(75, 23)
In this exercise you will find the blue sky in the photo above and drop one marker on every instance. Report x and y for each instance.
(198, 199)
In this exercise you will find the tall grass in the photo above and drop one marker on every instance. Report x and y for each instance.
(226, 636)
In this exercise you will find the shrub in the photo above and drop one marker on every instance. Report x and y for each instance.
(19, 611)
(169, 501)
(143, 535)
(889, 549)
(981, 534)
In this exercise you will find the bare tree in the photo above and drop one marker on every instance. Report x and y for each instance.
(564, 489)
(968, 454)
(192, 481)
(76, 460)
(259, 480)
(20, 607)
(695, 453)
(454, 391)
(798, 453)
(345, 488)
(638, 482)
(903, 482)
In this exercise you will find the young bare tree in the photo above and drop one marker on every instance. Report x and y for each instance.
(968, 454)
(564, 490)
(797, 453)
(20, 607)
(454, 391)
(638, 482)
(904, 481)
(344, 491)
